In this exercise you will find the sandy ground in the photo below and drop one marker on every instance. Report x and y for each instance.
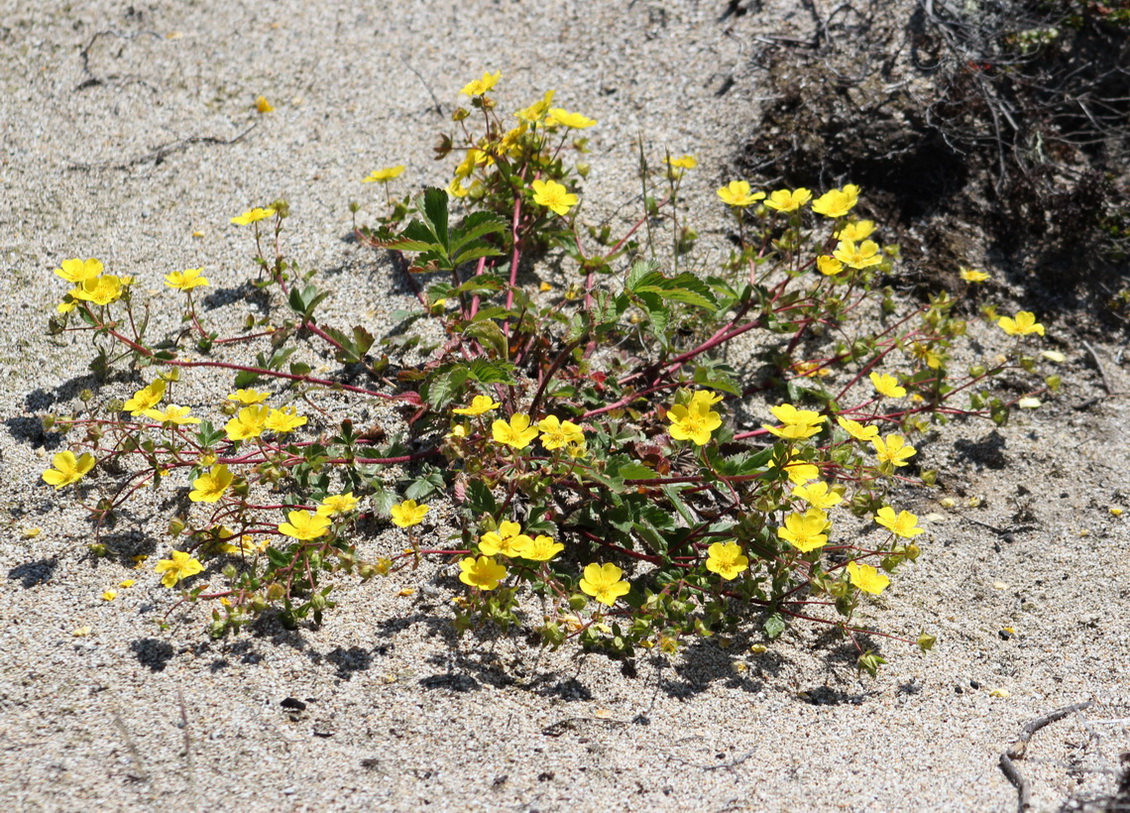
(112, 116)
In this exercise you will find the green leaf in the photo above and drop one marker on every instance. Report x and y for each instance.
(245, 378)
(480, 284)
(476, 225)
(488, 334)
(206, 435)
(435, 211)
(424, 487)
(717, 376)
(774, 625)
(491, 372)
(636, 471)
(445, 384)
(480, 500)
(277, 557)
(640, 270)
(303, 300)
(684, 287)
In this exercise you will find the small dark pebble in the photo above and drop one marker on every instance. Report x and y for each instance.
(293, 703)
(974, 684)
(545, 776)
(641, 719)
(1004, 634)
(959, 690)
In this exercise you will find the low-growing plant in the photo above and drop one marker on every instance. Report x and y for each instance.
(653, 450)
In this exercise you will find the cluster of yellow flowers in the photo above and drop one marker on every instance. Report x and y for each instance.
(548, 193)
(90, 284)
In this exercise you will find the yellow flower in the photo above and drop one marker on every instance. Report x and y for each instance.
(603, 583)
(408, 513)
(894, 450)
(110, 595)
(145, 398)
(480, 86)
(180, 566)
(737, 193)
(79, 271)
(557, 433)
(516, 432)
(479, 405)
(577, 450)
(211, 485)
(68, 469)
(695, 421)
(305, 525)
(507, 540)
(575, 121)
(905, 524)
(828, 266)
(172, 414)
(249, 423)
(539, 549)
(684, 162)
(1024, 323)
(281, 421)
(186, 280)
(927, 354)
(805, 532)
(248, 397)
(799, 471)
(472, 159)
(867, 578)
(785, 200)
(864, 255)
(797, 423)
(837, 202)
(384, 175)
(101, 291)
(818, 495)
(253, 216)
(856, 230)
(858, 430)
(262, 105)
(971, 275)
(337, 504)
(887, 385)
(483, 573)
(726, 559)
(127, 583)
(535, 112)
(553, 196)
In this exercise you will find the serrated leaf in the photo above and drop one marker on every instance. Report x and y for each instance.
(445, 385)
(435, 210)
(486, 371)
(640, 270)
(483, 283)
(474, 227)
(684, 287)
(425, 486)
(488, 334)
(474, 252)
